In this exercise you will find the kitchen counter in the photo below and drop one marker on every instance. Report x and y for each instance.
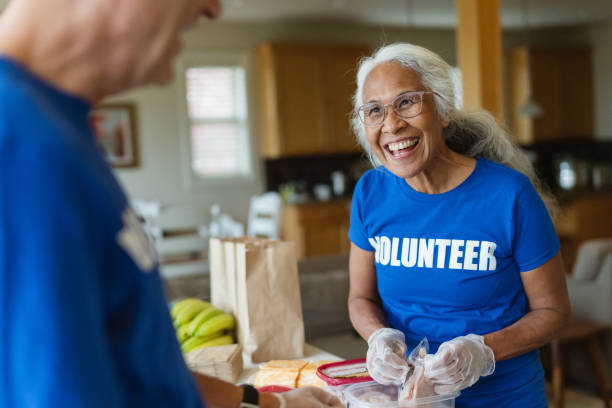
(311, 353)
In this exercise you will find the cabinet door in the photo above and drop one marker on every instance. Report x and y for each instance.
(305, 98)
(560, 81)
(317, 228)
(546, 89)
(293, 114)
(300, 101)
(340, 85)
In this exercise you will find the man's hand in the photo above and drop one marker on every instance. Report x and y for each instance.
(386, 357)
(308, 397)
(459, 363)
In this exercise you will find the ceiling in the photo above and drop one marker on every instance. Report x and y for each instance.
(417, 13)
(413, 13)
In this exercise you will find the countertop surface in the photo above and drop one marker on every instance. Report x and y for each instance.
(311, 353)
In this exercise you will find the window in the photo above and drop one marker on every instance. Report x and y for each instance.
(457, 86)
(218, 133)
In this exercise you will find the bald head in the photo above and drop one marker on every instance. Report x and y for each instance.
(96, 48)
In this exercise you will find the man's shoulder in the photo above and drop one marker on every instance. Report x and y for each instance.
(14, 85)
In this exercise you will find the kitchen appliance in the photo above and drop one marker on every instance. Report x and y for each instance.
(338, 183)
(572, 172)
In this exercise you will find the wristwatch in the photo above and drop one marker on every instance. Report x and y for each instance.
(250, 396)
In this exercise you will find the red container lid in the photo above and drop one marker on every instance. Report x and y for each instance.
(336, 373)
(274, 388)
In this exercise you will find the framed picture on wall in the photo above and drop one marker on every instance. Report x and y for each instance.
(114, 126)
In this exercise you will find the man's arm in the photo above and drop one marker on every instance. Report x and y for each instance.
(222, 394)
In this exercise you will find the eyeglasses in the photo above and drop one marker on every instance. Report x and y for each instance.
(406, 106)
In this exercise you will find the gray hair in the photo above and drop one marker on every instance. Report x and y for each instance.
(473, 133)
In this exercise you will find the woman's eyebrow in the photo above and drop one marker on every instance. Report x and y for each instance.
(399, 94)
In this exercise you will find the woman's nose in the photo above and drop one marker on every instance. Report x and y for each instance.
(392, 122)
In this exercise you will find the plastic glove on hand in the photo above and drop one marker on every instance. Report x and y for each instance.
(308, 397)
(386, 357)
(459, 363)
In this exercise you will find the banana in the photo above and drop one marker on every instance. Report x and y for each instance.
(192, 342)
(181, 304)
(201, 317)
(188, 312)
(219, 341)
(181, 333)
(222, 321)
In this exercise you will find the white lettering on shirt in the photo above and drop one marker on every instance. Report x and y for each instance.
(406, 261)
(486, 255)
(375, 243)
(394, 247)
(135, 242)
(469, 255)
(456, 254)
(426, 250)
(442, 244)
(385, 250)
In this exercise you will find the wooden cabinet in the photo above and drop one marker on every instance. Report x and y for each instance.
(584, 216)
(560, 80)
(318, 228)
(305, 96)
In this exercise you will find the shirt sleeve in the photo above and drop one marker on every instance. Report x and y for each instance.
(54, 349)
(357, 231)
(535, 238)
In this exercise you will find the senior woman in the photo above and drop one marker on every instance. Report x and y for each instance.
(451, 239)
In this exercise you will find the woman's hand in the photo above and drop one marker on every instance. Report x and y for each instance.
(459, 363)
(386, 357)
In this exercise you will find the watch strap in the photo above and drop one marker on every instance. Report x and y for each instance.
(250, 396)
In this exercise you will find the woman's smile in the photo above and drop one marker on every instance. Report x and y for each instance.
(402, 148)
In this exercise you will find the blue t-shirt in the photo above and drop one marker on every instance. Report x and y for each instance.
(83, 317)
(449, 264)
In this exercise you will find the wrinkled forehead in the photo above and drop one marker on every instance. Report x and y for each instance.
(389, 79)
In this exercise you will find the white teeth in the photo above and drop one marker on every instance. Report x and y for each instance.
(402, 145)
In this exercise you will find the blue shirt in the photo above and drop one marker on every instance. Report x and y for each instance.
(449, 264)
(83, 317)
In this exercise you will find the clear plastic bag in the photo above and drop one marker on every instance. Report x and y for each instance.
(416, 386)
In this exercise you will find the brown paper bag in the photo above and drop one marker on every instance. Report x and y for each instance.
(222, 262)
(260, 282)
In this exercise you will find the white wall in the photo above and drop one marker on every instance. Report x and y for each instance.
(160, 175)
(601, 38)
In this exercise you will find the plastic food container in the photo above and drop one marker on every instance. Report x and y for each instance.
(273, 388)
(338, 376)
(374, 395)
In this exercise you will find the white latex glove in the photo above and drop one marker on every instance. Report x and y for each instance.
(386, 357)
(459, 363)
(307, 397)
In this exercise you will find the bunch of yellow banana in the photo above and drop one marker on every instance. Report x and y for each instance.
(199, 324)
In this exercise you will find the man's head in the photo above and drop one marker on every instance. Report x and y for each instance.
(146, 34)
(96, 48)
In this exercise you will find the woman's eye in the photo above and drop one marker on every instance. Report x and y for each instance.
(407, 101)
(375, 110)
